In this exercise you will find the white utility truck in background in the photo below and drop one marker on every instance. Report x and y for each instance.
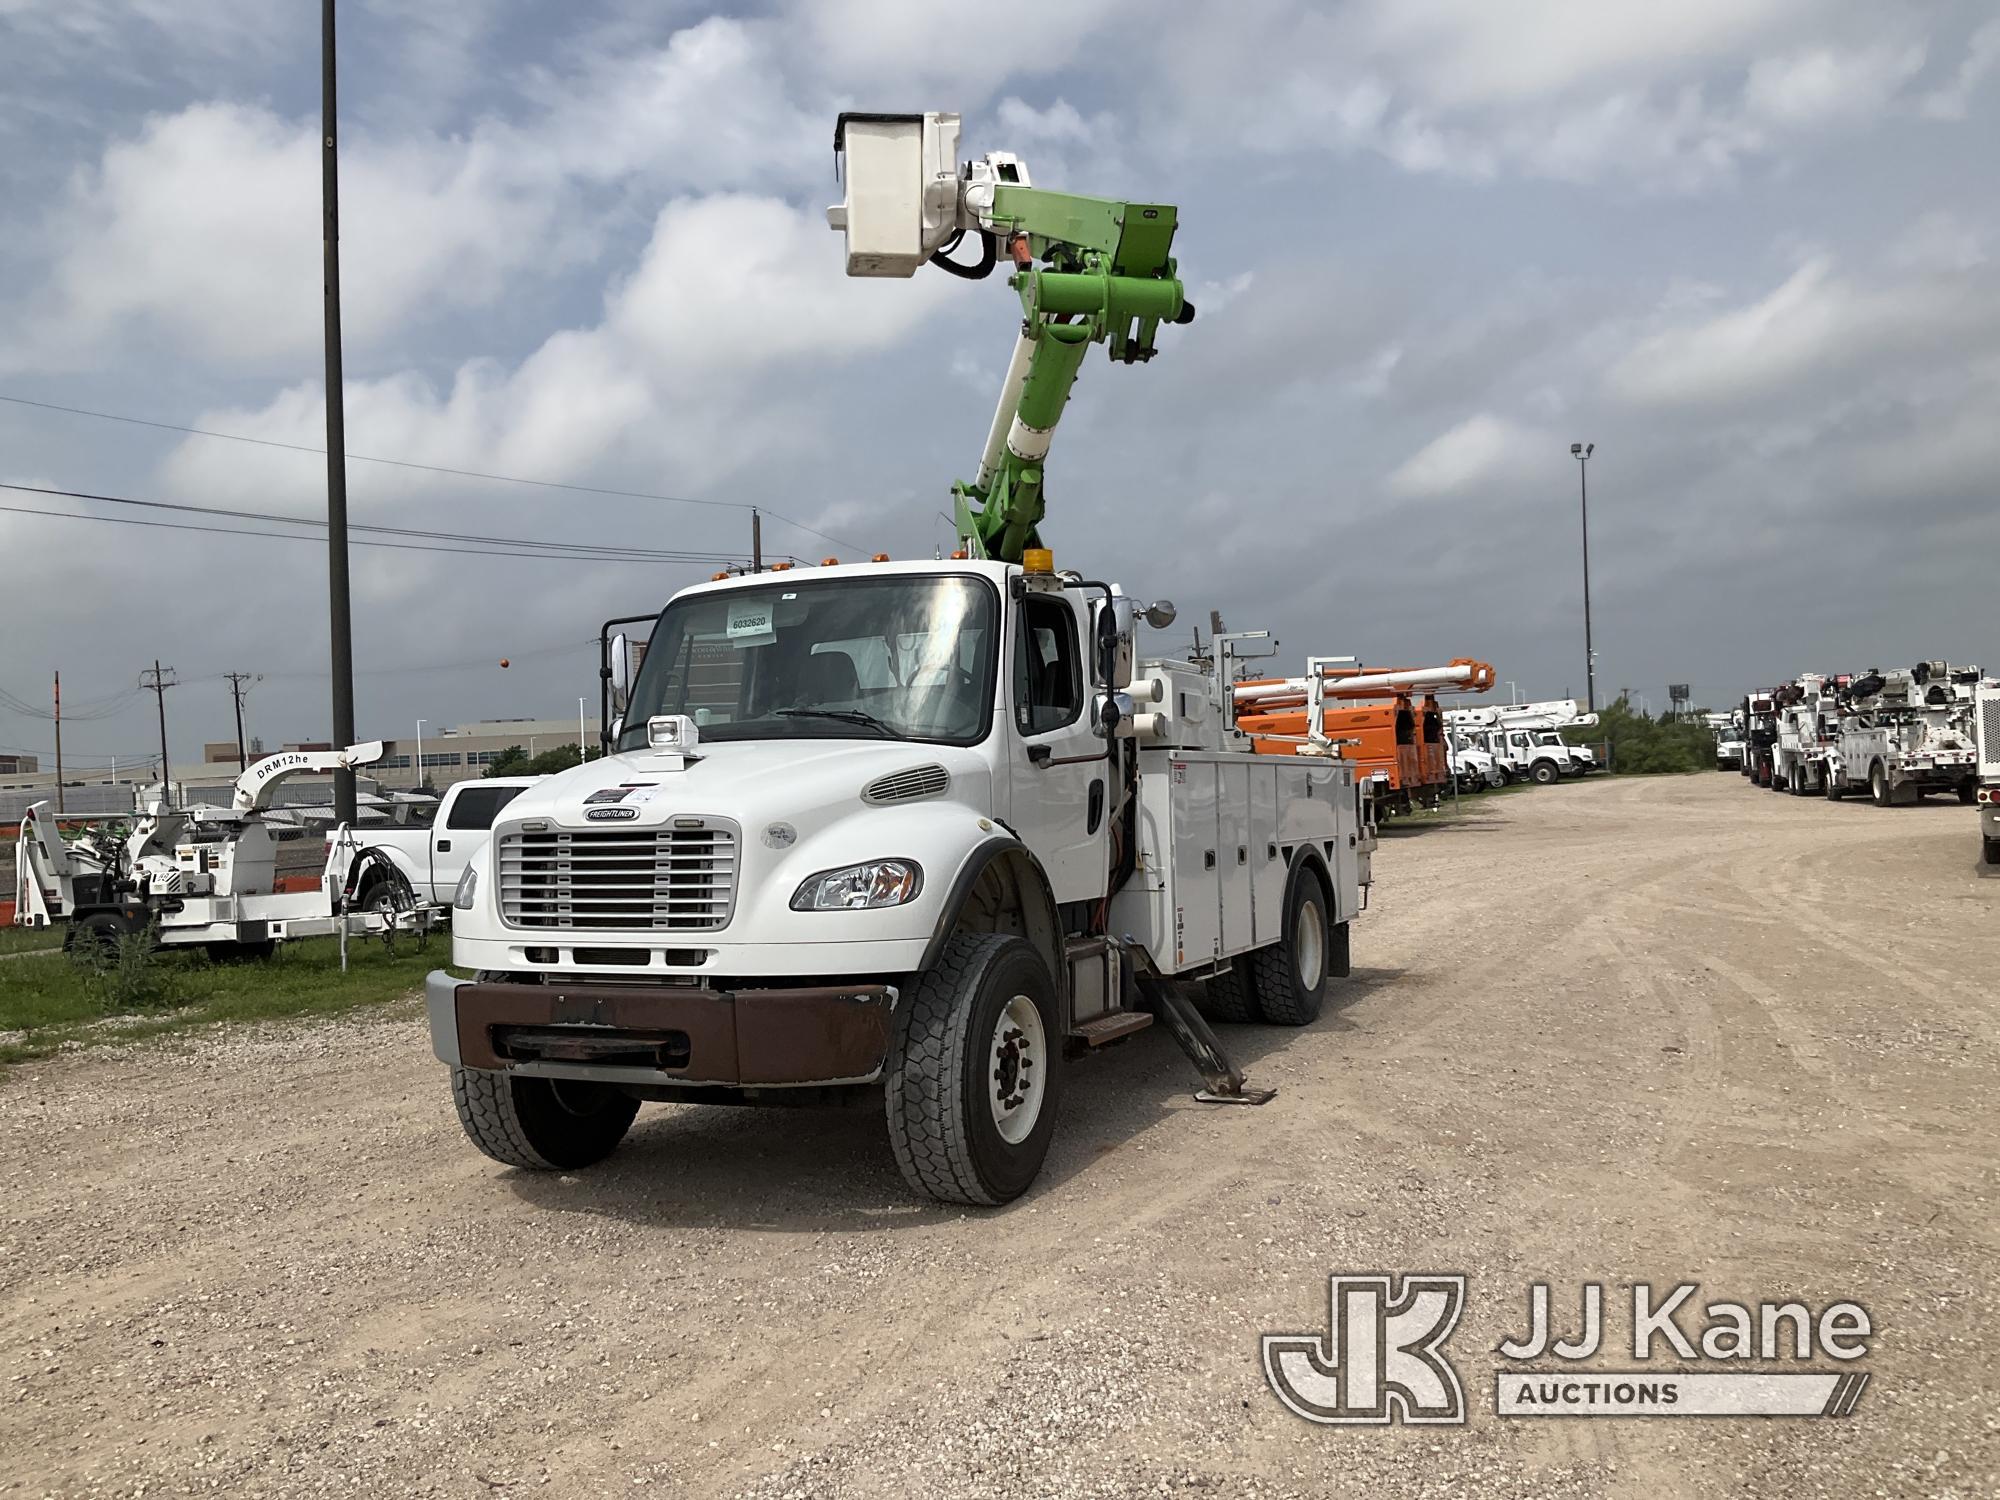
(1807, 728)
(1525, 739)
(1473, 766)
(208, 875)
(431, 854)
(1986, 733)
(1906, 733)
(921, 830)
(1727, 730)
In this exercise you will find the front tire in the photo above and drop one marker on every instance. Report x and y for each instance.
(975, 1073)
(542, 1124)
(1545, 773)
(1878, 785)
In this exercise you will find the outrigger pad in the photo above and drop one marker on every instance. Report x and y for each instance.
(1241, 1096)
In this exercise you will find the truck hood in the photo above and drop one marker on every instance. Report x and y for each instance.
(755, 782)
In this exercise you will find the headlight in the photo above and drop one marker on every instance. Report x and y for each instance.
(880, 882)
(468, 887)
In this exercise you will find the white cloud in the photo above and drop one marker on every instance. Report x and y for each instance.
(1482, 450)
(1460, 53)
(730, 293)
(1982, 54)
(1819, 85)
(1939, 241)
(205, 225)
(1816, 323)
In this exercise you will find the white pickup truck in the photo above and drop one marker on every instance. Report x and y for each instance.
(432, 848)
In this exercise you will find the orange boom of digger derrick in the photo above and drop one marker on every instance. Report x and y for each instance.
(1385, 722)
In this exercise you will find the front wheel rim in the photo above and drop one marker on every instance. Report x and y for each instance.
(1017, 1070)
(1309, 943)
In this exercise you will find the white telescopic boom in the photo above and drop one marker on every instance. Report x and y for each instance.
(1462, 674)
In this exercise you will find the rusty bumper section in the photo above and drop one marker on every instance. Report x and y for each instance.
(747, 1038)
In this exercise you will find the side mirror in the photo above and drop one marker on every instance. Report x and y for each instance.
(621, 672)
(1161, 613)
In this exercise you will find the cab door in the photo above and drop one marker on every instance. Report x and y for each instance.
(1061, 769)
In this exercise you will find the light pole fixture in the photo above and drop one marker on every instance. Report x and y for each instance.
(419, 782)
(1581, 453)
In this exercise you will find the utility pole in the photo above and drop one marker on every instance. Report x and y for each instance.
(239, 684)
(59, 770)
(162, 679)
(1581, 453)
(336, 423)
(756, 540)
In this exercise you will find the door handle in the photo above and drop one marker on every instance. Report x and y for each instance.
(444, 846)
(1208, 859)
(1243, 854)
(1040, 754)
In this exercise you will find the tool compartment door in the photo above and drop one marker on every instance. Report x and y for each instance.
(1233, 855)
(1197, 862)
(1267, 855)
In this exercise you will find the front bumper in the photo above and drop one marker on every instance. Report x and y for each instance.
(664, 1034)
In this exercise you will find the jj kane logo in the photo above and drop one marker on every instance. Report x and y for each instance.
(1382, 1358)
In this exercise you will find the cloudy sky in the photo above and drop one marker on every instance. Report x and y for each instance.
(1744, 246)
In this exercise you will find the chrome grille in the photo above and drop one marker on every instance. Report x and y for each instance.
(655, 879)
(907, 786)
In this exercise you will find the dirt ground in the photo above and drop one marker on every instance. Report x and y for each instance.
(1665, 1030)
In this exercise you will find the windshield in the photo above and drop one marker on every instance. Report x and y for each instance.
(897, 657)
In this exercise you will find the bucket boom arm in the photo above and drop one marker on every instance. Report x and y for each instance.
(1087, 271)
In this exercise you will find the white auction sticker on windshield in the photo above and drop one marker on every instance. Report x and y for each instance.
(750, 623)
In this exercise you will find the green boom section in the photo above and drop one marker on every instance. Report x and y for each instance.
(1098, 271)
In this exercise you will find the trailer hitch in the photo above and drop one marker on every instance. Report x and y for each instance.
(1225, 1079)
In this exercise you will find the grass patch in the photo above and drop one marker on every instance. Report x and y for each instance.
(26, 939)
(48, 1002)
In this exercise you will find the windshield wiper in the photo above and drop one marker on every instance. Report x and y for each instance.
(859, 716)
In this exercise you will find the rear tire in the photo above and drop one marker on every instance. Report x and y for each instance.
(975, 1072)
(1878, 785)
(1833, 786)
(542, 1124)
(95, 938)
(1289, 977)
(1992, 850)
(1968, 792)
(1228, 998)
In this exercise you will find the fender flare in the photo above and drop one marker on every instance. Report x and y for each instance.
(1307, 858)
(372, 863)
(1032, 880)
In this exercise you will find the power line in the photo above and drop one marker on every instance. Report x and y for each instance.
(588, 550)
(403, 463)
(279, 536)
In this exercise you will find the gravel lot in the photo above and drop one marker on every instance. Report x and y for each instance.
(1656, 1030)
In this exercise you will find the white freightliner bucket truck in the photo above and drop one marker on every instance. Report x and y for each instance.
(921, 829)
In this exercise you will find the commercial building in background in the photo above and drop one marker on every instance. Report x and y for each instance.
(461, 753)
(19, 765)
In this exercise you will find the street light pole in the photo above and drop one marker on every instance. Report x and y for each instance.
(420, 755)
(1581, 453)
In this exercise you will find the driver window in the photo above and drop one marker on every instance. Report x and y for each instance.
(1048, 677)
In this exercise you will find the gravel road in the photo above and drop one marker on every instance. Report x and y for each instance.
(1665, 1030)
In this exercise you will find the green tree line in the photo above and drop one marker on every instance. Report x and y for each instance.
(1645, 746)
